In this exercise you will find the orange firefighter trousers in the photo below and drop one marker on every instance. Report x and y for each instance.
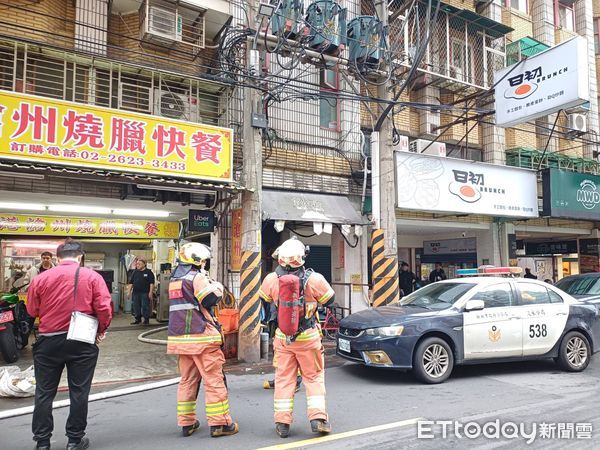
(308, 357)
(206, 366)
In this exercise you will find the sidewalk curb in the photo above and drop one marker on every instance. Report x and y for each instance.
(94, 397)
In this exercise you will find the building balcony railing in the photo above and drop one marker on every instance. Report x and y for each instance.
(49, 72)
(465, 50)
(533, 159)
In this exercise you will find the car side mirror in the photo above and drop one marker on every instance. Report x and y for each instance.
(474, 305)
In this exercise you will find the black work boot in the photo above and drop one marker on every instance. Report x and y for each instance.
(81, 445)
(188, 430)
(43, 445)
(320, 426)
(224, 430)
(283, 429)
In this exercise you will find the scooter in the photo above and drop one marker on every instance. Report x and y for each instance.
(15, 326)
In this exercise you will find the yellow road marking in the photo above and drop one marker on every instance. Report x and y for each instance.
(347, 434)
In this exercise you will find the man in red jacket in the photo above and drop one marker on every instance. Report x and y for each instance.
(52, 297)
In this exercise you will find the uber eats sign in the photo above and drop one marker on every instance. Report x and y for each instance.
(571, 195)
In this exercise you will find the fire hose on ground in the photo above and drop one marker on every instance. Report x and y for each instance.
(142, 337)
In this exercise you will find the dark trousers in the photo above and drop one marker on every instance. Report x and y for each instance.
(141, 305)
(50, 356)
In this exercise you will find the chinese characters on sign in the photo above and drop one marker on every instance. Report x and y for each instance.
(528, 75)
(463, 176)
(79, 227)
(236, 240)
(58, 132)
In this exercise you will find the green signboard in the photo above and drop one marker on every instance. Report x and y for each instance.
(571, 195)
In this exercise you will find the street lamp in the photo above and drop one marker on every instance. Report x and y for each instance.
(266, 10)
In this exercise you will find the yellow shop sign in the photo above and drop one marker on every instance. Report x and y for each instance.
(87, 227)
(45, 130)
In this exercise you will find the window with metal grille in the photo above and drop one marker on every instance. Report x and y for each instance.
(564, 15)
(329, 105)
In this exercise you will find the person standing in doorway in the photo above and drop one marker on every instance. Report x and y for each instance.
(141, 290)
(407, 279)
(438, 274)
(53, 296)
(528, 274)
(46, 264)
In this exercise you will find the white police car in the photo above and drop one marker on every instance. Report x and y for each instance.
(473, 320)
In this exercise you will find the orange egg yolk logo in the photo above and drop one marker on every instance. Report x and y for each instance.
(524, 89)
(467, 191)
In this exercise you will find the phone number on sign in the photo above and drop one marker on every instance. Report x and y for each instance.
(132, 161)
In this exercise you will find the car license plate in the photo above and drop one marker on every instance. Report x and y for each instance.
(6, 316)
(344, 345)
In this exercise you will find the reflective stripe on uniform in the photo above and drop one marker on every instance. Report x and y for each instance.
(283, 404)
(307, 335)
(264, 296)
(181, 307)
(315, 402)
(184, 408)
(191, 339)
(204, 292)
(326, 296)
(188, 321)
(217, 409)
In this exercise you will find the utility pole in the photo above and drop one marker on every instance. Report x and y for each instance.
(249, 329)
(384, 241)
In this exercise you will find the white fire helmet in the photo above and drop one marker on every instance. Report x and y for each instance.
(194, 253)
(291, 253)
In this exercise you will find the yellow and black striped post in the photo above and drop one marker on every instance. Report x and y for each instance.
(248, 337)
(385, 272)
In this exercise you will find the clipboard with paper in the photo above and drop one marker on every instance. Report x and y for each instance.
(83, 327)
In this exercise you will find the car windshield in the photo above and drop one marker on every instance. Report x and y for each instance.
(437, 295)
(580, 286)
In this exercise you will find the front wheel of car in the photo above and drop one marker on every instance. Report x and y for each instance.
(575, 352)
(433, 361)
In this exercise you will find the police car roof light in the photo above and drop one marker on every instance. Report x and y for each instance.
(467, 272)
(489, 270)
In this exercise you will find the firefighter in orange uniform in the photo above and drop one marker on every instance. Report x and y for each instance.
(303, 350)
(195, 336)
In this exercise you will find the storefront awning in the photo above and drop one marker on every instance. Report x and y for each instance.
(21, 169)
(303, 207)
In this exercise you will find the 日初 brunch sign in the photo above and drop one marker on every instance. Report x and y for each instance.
(87, 227)
(57, 132)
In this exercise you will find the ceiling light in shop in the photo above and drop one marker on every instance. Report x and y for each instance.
(47, 245)
(140, 213)
(22, 206)
(81, 209)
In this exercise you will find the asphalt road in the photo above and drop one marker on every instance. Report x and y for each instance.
(368, 409)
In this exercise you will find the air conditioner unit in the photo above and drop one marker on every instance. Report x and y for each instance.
(425, 147)
(577, 122)
(401, 145)
(176, 106)
(164, 23)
